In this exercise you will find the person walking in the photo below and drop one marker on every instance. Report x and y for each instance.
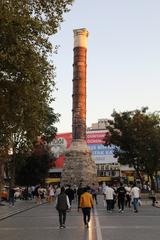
(135, 193)
(86, 203)
(11, 197)
(50, 194)
(109, 194)
(57, 191)
(37, 194)
(62, 204)
(80, 191)
(153, 197)
(121, 193)
(94, 191)
(70, 193)
(128, 196)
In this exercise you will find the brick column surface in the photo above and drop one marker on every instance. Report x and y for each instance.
(79, 84)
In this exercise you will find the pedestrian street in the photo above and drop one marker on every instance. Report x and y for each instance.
(41, 223)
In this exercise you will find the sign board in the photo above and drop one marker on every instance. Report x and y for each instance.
(100, 153)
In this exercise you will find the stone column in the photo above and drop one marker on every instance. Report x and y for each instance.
(79, 84)
(79, 167)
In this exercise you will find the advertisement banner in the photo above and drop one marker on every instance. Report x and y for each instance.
(58, 146)
(100, 153)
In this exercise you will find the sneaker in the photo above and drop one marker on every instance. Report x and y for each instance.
(86, 225)
(61, 227)
(120, 210)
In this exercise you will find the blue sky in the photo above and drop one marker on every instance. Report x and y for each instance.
(123, 59)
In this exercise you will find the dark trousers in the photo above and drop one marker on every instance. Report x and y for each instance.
(11, 201)
(121, 203)
(62, 217)
(153, 201)
(95, 197)
(109, 204)
(86, 215)
(128, 200)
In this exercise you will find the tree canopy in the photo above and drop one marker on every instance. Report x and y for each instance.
(26, 74)
(136, 136)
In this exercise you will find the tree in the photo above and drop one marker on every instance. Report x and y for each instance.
(32, 169)
(136, 136)
(26, 74)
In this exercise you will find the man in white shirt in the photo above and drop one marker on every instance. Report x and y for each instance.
(109, 196)
(128, 195)
(135, 193)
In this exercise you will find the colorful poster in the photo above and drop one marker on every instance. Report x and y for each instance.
(100, 153)
(58, 147)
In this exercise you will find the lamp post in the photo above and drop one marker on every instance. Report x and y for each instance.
(11, 172)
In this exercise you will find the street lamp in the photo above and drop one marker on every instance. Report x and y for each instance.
(11, 166)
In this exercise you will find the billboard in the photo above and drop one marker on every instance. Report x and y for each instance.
(100, 153)
(58, 146)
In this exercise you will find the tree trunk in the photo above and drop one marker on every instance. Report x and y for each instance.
(1, 177)
(12, 183)
(139, 176)
(152, 182)
(156, 178)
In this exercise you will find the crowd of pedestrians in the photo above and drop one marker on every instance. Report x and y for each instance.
(115, 196)
(123, 195)
(120, 196)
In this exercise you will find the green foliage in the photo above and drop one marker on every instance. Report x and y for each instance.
(26, 74)
(32, 169)
(136, 135)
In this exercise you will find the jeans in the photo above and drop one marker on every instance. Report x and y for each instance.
(135, 203)
(11, 201)
(86, 214)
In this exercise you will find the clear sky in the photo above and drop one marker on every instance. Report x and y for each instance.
(123, 58)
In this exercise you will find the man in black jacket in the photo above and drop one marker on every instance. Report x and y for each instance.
(11, 196)
(80, 191)
(121, 193)
(70, 193)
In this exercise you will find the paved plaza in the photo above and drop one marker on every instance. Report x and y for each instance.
(27, 221)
